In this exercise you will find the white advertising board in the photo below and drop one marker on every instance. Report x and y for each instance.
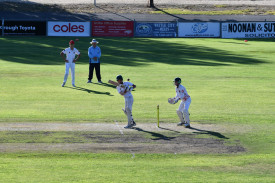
(248, 30)
(199, 29)
(69, 28)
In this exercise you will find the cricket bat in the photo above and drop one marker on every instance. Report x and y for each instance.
(113, 82)
(116, 83)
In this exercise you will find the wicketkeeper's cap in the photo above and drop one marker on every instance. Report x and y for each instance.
(177, 80)
(71, 42)
(94, 41)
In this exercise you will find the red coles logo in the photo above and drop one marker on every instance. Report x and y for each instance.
(68, 28)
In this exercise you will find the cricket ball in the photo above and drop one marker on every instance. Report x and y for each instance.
(76, 39)
(245, 40)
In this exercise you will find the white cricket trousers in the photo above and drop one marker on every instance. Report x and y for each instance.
(184, 106)
(128, 108)
(67, 68)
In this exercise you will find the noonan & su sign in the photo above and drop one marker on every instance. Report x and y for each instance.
(248, 30)
(68, 28)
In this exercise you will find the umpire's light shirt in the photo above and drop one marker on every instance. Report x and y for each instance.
(94, 52)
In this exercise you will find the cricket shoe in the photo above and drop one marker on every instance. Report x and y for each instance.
(180, 124)
(73, 85)
(100, 82)
(186, 125)
(63, 84)
(129, 126)
(89, 81)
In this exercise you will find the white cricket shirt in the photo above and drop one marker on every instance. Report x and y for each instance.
(70, 54)
(182, 93)
(126, 84)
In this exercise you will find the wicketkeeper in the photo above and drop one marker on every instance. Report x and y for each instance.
(181, 94)
(124, 89)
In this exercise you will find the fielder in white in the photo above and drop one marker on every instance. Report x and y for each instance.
(184, 105)
(70, 60)
(124, 89)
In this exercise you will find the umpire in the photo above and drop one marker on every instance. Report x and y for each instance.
(94, 54)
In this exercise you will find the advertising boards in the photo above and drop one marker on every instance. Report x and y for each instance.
(156, 29)
(248, 30)
(23, 28)
(113, 28)
(199, 29)
(69, 29)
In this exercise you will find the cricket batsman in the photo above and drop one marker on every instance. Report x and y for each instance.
(181, 94)
(70, 60)
(124, 89)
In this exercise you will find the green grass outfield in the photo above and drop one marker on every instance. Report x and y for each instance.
(142, 168)
(230, 82)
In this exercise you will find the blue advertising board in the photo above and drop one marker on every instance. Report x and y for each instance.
(156, 29)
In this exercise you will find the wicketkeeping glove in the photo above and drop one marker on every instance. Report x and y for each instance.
(172, 100)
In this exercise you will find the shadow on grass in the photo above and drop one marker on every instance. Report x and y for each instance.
(169, 129)
(114, 13)
(157, 136)
(90, 91)
(238, 43)
(257, 40)
(206, 132)
(120, 51)
(105, 84)
(165, 12)
(194, 19)
(26, 10)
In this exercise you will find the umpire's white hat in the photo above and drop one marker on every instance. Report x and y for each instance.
(94, 41)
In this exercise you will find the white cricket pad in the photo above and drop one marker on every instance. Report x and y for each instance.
(180, 114)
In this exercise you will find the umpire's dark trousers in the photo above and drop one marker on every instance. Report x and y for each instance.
(95, 66)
